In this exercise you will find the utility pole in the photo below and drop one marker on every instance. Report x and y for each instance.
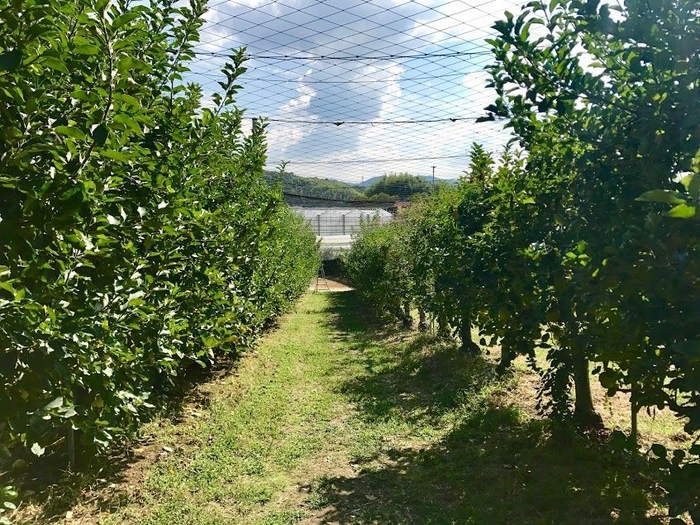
(433, 177)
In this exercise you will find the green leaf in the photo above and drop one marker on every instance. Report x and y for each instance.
(608, 379)
(664, 196)
(128, 122)
(70, 131)
(100, 134)
(56, 64)
(685, 181)
(4, 285)
(682, 211)
(124, 19)
(56, 403)
(127, 99)
(678, 456)
(129, 64)
(115, 155)
(11, 60)
(659, 450)
(694, 186)
(38, 450)
(210, 342)
(87, 49)
(618, 440)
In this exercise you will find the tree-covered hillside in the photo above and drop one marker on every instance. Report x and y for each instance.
(402, 185)
(327, 192)
(302, 189)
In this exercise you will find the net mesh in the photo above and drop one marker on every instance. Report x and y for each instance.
(354, 89)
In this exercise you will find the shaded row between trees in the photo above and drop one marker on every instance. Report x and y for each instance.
(582, 239)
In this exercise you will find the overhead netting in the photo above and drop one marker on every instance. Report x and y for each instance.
(354, 89)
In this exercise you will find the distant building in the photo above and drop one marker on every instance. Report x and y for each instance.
(335, 227)
(330, 221)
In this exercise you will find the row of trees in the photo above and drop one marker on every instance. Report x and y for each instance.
(138, 234)
(304, 190)
(385, 190)
(398, 186)
(583, 241)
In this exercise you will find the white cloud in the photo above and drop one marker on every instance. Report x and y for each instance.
(281, 138)
(379, 90)
(459, 19)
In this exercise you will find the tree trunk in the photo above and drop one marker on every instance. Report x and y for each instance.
(465, 333)
(507, 356)
(70, 448)
(443, 328)
(407, 319)
(634, 409)
(584, 411)
(422, 321)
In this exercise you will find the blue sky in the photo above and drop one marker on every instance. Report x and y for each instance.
(419, 60)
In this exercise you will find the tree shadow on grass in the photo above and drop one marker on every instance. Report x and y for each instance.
(493, 466)
(416, 377)
(357, 323)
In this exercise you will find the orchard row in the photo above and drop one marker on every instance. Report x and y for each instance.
(138, 235)
(582, 238)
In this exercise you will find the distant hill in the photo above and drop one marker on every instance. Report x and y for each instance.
(428, 178)
(312, 191)
(384, 190)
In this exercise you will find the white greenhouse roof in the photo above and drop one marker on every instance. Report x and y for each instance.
(337, 213)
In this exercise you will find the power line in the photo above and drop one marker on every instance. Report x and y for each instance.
(350, 58)
(304, 80)
(372, 161)
(407, 77)
(371, 122)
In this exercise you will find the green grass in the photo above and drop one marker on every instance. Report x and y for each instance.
(261, 425)
(335, 420)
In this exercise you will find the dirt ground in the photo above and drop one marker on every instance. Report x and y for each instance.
(328, 285)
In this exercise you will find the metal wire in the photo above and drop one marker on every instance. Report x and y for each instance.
(354, 89)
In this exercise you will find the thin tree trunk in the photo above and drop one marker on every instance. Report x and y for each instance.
(407, 319)
(634, 409)
(443, 328)
(507, 356)
(422, 321)
(465, 333)
(70, 448)
(584, 411)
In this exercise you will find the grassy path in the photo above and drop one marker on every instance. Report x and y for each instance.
(331, 421)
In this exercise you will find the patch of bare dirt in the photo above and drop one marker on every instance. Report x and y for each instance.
(322, 284)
